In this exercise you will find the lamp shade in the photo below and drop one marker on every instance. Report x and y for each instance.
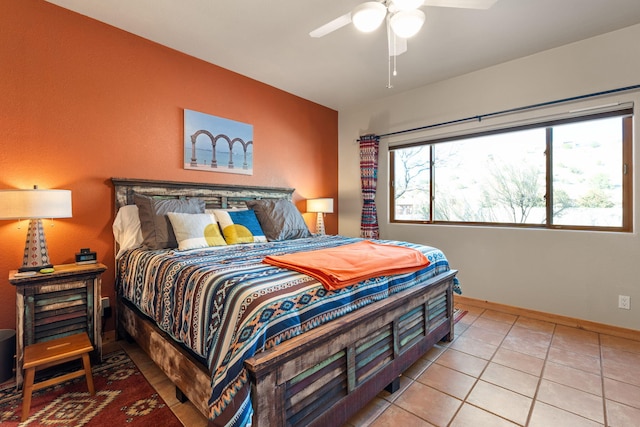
(35, 203)
(368, 16)
(407, 23)
(323, 205)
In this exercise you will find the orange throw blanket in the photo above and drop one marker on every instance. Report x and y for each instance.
(349, 264)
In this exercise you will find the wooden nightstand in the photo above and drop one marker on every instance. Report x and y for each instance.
(58, 304)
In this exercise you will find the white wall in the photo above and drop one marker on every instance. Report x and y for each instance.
(576, 274)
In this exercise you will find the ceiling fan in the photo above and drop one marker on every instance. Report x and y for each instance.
(403, 17)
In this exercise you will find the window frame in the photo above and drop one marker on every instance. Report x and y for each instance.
(626, 114)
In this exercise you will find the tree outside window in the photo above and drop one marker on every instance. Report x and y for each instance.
(564, 174)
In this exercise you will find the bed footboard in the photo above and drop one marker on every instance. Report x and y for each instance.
(189, 375)
(326, 375)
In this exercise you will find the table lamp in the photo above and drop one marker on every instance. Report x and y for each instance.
(34, 205)
(320, 206)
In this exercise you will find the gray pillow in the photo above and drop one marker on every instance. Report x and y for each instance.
(280, 219)
(157, 232)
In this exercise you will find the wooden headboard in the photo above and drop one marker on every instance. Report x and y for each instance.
(216, 196)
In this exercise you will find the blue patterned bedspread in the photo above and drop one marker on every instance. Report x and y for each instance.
(225, 305)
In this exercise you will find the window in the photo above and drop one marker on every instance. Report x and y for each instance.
(567, 173)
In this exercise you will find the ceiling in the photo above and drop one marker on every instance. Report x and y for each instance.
(268, 40)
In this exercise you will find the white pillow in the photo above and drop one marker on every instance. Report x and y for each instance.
(195, 231)
(126, 229)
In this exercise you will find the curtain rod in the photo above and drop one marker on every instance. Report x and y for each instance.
(514, 110)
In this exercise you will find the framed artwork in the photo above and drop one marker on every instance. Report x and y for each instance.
(216, 144)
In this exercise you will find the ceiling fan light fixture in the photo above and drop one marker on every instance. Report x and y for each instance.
(407, 23)
(407, 4)
(368, 16)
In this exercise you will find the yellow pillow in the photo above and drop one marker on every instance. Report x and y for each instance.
(236, 233)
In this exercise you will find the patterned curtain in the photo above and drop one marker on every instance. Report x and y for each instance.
(369, 178)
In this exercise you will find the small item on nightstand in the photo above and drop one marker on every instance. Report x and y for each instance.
(46, 270)
(86, 256)
(24, 273)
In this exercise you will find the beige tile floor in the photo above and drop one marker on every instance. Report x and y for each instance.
(500, 370)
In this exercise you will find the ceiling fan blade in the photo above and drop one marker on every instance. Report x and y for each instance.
(329, 27)
(465, 4)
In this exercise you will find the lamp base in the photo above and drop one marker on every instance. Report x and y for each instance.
(320, 223)
(36, 254)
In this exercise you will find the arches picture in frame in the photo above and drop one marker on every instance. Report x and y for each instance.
(216, 144)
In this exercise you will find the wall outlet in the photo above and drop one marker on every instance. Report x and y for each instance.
(106, 307)
(624, 302)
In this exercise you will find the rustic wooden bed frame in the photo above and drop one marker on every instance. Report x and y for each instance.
(321, 377)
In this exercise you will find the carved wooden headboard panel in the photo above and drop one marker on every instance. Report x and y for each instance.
(216, 196)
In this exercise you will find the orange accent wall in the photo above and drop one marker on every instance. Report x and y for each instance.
(81, 102)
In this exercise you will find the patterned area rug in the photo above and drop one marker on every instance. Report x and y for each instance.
(123, 397)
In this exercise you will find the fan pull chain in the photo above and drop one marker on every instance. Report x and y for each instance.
(391, 53)
(395, 59)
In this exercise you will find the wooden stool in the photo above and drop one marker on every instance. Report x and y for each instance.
(50, 353)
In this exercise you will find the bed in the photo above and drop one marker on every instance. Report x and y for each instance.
(299, 354)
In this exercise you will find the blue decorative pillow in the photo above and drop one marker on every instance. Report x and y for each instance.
(240, 226)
